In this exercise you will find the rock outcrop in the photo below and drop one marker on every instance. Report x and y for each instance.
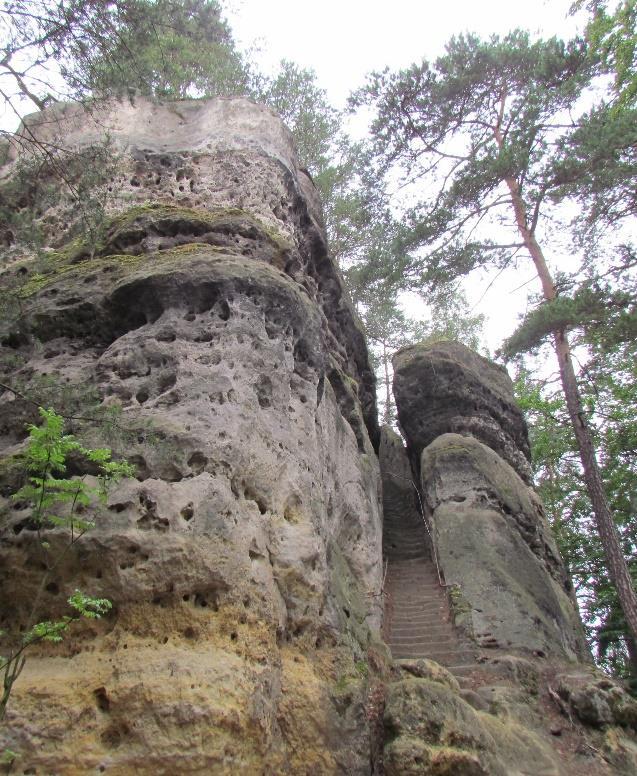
(175, 300)
(243, 561)
(508, 590)
(447, 388)
(492, 539)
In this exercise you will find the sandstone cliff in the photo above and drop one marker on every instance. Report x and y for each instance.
(176, 300)
(243, 561)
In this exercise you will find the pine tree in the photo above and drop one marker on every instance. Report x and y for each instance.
(491, 123)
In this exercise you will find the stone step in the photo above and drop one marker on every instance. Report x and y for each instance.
(406, 563)
(434, 614)
(418, 615)
(431, 630)
(403, 610)
(435, 645)
(413, 588)
(430, 602)
(445, 659)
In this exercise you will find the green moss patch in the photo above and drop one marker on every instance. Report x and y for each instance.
(123, 236)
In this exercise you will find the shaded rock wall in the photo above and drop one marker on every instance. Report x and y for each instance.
(243, 562)
(447, 388)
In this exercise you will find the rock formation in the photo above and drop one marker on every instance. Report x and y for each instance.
(491, 535)
(243, 561)
(508, 590)
(451, 389)
(166, 285)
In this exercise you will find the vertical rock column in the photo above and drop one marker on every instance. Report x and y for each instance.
(469, 441)
(243, 562)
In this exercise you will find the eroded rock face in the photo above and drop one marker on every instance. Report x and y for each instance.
(432, 730)
(494, 543)
(244, 560)
(445, 387)
(510, 588)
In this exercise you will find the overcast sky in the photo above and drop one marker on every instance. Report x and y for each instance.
(342, 40)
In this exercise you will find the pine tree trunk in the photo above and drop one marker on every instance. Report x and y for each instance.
(387, 414)
(615, 560)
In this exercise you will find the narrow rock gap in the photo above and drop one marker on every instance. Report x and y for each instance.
(418, 620)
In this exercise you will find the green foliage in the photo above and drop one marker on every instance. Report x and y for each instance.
(613, 39)
(46, 458)
(7, 756)
(460, 127)
(609, 396)
(167, 49)
(304, 107)
(58, 502)
(84, 605)
(589, 307)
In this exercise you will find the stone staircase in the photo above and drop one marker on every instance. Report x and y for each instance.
(417, 614)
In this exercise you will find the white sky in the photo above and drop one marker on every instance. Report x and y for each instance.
(343, 40)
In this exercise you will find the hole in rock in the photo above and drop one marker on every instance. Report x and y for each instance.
(101, 699)
(224, 310)
(197, 462)
(204, 336)
(263, 390)
(52, 588)
(188, 512)
(292, 509)
(233, 636)
(142, 396)
(166, 335)
(119, 507)
(167, 381)
(190, 633)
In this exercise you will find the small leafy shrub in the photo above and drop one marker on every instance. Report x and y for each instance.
(58, 502)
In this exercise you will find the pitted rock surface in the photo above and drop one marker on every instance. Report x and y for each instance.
(243, 561)
(445, 387)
